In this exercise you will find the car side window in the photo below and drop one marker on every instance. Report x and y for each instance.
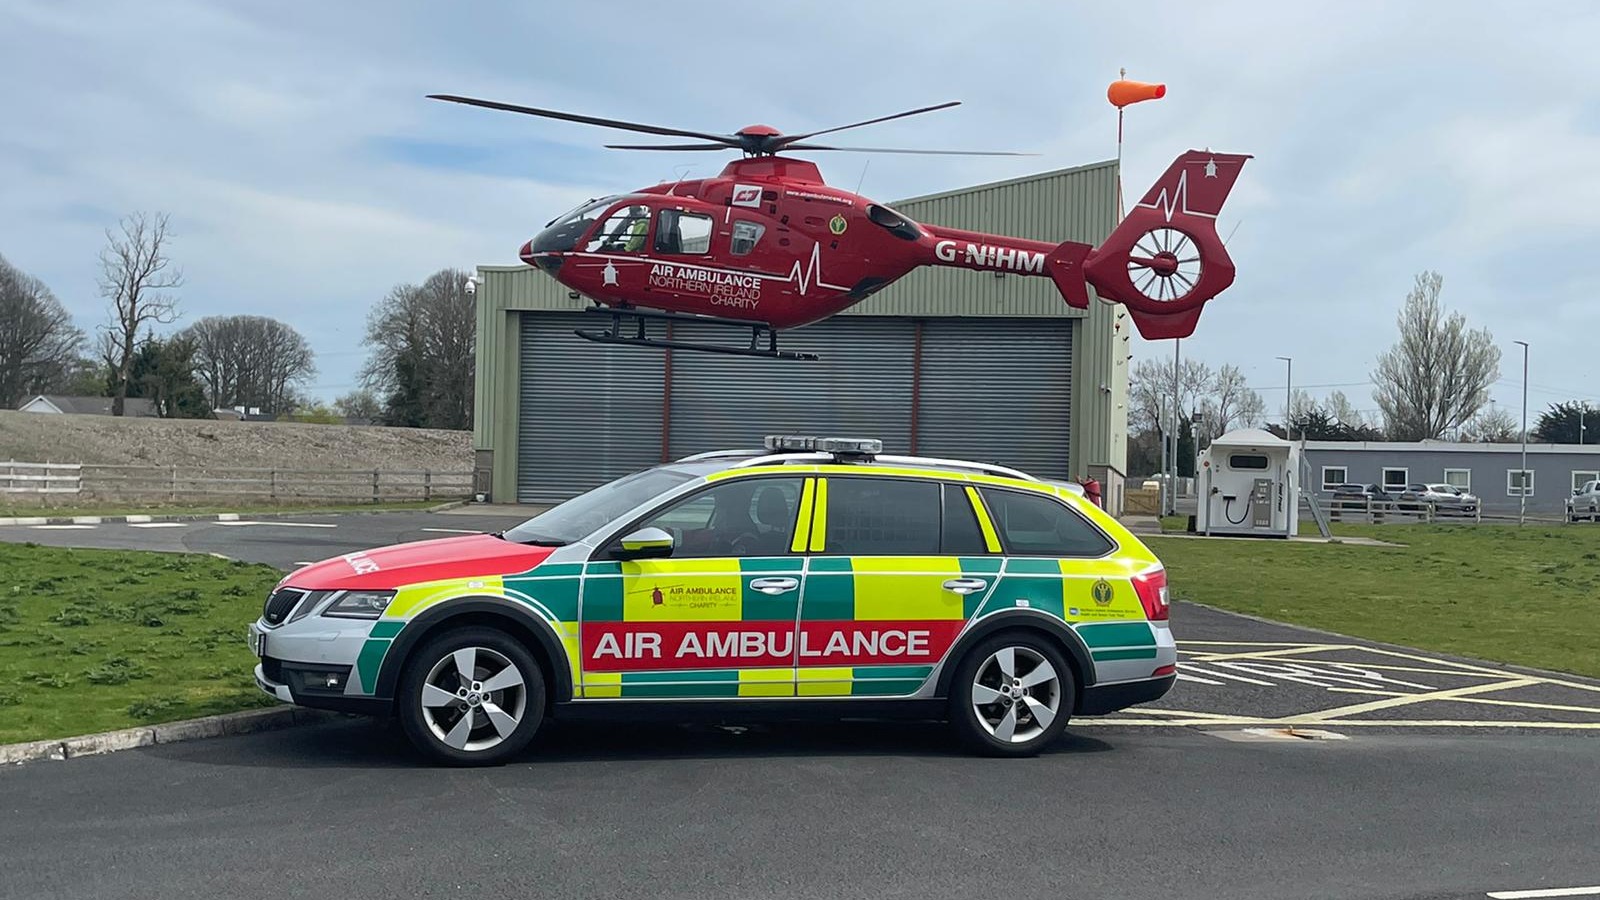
(959, 533)
(1035, 525)
(882, 517)
(738, 517)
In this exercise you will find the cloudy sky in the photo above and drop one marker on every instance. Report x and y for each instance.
(306, 175)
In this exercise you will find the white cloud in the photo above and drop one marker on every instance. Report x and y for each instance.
(1387, 139)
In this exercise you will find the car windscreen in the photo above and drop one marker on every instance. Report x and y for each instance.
(587, 512)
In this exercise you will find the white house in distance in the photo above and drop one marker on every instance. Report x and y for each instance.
(60, 404)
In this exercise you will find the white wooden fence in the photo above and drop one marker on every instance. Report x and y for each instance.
(40, 478)
(173, 483)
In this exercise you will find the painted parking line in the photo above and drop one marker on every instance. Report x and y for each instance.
(279, 524)
(1356, 685)
(1546, 892)
(453, 530)
(157, 524)
(61, 527)
(1227, 675)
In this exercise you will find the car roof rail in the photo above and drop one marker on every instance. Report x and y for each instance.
(931, 462)
(720, 454)
(937, 462)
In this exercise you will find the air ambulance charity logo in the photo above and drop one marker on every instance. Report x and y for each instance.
(655, 596)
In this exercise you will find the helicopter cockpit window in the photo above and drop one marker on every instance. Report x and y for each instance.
(623, 232)
(745, 237)
(682, 232)
(563, 234)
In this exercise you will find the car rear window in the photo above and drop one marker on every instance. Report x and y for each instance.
(1032, 524)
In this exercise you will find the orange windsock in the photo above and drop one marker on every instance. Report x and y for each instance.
(1123, 92)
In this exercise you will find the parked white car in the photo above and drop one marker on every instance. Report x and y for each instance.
(1584, 502)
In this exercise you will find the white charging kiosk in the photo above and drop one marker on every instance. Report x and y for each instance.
(1249, 484)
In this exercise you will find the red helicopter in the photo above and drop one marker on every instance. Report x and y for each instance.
(767, 245)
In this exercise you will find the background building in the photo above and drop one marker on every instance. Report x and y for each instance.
(969, 364)
(1491, 471)
(59, 404)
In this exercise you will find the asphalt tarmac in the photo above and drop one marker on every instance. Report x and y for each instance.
(1286, 763)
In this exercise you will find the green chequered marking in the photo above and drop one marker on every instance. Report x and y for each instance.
(886, 688)
(1025, 566)
(557, 594)
(1042, 594)
(887, 681)
(604, 568)
(1117, 634)
(830, 590)
(602, 598)
(368, 663)
(712, 683)
(981, 565)
(758, 607)
(790, 564)
(1109, 655)
(558, 570)
(986, 568)
(385, 629)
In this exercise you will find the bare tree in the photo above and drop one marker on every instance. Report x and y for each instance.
(1344, 412)
(1494, 425)
(135, 274)
(361, 404)
(1150, 392)
(424, 340)
(1437, 375)
(251, 361)
(38, 342)
(1230, 404)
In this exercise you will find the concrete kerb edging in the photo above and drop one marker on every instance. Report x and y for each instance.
(247, 722)
(244, 515)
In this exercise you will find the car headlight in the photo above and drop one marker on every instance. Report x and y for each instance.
(360, 605)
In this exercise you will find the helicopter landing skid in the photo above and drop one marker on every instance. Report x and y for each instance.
(637, 317)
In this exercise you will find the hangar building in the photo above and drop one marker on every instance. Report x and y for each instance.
(973, 365)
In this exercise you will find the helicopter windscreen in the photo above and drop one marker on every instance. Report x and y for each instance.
(563, 233)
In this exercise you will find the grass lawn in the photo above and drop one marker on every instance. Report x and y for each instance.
(176, 509)
(1528, 595)
(94, 640)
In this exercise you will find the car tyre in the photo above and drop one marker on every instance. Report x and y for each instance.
(471, 696)
(1012, 695)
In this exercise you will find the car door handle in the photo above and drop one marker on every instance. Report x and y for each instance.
(965, 585)
(774, 585)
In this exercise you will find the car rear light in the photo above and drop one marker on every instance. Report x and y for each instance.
(1164, 671)
(1152, 590)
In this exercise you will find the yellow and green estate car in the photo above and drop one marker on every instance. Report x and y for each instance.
(815, 576)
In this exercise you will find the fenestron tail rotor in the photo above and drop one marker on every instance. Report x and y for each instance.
(752, 140)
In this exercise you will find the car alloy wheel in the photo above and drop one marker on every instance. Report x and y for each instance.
(1016, 694)
(1012, 694)
(473, 698)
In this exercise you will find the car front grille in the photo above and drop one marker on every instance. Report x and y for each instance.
(280, 604)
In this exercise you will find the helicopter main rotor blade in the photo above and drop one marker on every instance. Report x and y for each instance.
(786, 140)
(722, 140)
(666, 146)
(902, 150)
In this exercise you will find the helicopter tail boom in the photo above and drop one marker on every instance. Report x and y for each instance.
(1165, 260)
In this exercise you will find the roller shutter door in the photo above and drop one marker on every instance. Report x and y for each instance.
(860, 387)
(999, 391)
(588, 412)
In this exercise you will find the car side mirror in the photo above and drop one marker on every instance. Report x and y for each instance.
(646, 543)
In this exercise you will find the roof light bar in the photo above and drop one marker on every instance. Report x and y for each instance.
(809, 444)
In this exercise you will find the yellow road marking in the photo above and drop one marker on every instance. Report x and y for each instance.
(1410, 699)
(1268, 654)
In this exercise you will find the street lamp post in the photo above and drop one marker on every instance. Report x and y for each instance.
(1288, 398)
(1522, 509)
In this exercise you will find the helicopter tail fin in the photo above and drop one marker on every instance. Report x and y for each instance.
(1164, 260)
